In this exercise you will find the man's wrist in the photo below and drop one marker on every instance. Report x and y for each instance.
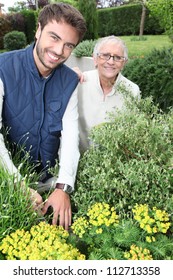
(64, 187)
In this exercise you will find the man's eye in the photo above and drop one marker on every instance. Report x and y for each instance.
(54, 38)
(69, 46)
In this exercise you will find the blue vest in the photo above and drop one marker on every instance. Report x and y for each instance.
(33, 106)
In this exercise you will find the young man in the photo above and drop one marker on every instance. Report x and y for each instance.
(38, 104)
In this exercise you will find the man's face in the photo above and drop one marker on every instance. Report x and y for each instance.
(54, 45)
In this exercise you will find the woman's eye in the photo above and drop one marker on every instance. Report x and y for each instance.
(106, 56)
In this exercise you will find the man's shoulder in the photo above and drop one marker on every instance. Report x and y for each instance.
(10, 55)
(66, 70)
(65, 76)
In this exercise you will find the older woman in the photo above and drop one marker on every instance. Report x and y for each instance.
(105, 87)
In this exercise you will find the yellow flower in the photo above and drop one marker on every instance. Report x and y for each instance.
(102, 214)
(99, 230)
(152, 221)
(138, 253)
(80, 226)
(148, 229)
(43, 242)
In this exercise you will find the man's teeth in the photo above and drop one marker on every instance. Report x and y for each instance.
(53, 57)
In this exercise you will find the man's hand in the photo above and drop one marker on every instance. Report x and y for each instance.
(60, 202)
(79, 73)
(36, 200)
(35, 197)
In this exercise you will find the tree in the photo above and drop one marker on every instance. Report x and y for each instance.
(109, 3)
(28, 4)
(143, 14)
(18, 6)
(163, 10)
(36, 4)
(88, 10)
(74, 3)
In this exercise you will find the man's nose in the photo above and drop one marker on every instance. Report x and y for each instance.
(59, 49)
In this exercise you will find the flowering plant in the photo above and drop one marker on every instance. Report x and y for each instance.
(42, 242)
(100, 234)
(105, 235)
(151, 221)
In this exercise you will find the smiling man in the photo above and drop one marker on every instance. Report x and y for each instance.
(104, 88)
(38, 105)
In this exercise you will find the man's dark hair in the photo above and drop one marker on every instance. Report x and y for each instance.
(63, 12)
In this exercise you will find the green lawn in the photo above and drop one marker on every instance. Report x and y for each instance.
(139, 48)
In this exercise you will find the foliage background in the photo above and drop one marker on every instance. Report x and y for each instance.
(123, 20)
(130, 162)
(132, 158)
(153, 74)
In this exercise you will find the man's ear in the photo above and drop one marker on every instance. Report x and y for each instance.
(38, 31)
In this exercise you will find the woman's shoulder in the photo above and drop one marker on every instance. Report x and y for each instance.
(129, 84)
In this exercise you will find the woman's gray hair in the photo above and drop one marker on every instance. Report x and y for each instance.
(107, 39)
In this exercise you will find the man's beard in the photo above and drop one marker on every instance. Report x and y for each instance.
(40, 55)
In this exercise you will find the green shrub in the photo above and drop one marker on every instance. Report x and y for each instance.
(30, 24)
(17, 21)
(125, 20)
(153, 74)
(131, 161)
(85, 48)
(89, 11)
(14, 40)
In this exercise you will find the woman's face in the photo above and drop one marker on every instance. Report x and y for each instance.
(109, 68)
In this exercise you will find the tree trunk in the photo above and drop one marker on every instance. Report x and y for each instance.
(36, 4)
(143, 15)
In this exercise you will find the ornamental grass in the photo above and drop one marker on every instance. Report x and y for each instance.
(16, 209)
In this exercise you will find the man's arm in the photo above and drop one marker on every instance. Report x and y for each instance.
(69, 148)
(68, 163)
(5, 159)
